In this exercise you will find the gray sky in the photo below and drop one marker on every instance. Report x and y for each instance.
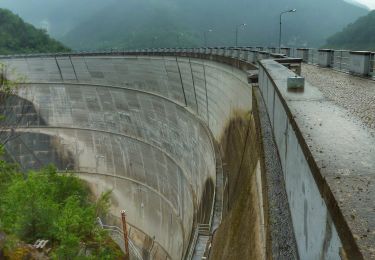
(369, 3)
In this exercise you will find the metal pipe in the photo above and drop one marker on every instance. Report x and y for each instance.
(125, 230)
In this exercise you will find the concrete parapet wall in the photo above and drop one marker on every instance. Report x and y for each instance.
(315, 233)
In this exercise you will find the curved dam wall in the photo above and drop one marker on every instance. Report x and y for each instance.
(143, 127)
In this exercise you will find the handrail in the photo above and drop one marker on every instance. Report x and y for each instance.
(118, 231)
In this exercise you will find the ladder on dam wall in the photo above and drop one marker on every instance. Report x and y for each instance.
(201, 240)
(219, 193)
(202, 237)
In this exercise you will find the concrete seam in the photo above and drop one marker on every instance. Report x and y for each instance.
(188, 109)
(205, 86)
(58, 66)
(130, 180)
(121, 135)
(74, 70)
(195, 91)
(182, 84)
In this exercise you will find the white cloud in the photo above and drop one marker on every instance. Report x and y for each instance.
(369, 3)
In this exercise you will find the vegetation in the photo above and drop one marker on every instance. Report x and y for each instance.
(356, 36)
(136, 23)
(16, 36)
(47, 205)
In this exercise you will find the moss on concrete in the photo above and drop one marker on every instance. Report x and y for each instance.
(238, 237)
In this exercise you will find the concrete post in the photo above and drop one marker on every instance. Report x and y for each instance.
(220, 51)
(360, 63)
(242, 55)
(252, 56)
(263, 55)
(272, 50)
(285, 51)
(303, 54)
(227, 52)
(325, 58)
(235, 53)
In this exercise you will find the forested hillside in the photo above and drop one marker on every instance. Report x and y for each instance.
(16, 36)
(359, 35)
(58, 16)
(153, 23)
(95, 24)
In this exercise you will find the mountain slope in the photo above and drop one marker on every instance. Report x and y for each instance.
(359, 35)
(354, 2)
(57, 16)
(137, 23)
(17, 36)
(134, 23)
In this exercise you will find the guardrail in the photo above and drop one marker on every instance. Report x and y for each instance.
(341, 60)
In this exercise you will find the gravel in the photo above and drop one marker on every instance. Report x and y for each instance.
(355, 94)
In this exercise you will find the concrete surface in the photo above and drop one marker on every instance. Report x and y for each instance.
(143, 127)
(328, 159)
(355, 94)
(147, 128)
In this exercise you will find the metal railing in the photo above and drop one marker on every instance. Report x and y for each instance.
(193, 243)
(117, 235)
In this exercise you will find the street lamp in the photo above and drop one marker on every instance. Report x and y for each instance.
(205, 36)
(237, 28)
(281, 14)
(154, 40)
(179, 35)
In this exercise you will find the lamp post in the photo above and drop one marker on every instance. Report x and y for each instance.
(237, 28)
(281, 14)
(179, 35)
(154, 39)
(205, 36)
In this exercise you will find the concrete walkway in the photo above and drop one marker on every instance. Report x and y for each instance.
(355, 94)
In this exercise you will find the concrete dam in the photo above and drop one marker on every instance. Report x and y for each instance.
(205, 149)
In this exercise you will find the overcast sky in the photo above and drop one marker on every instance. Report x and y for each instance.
(369, 3)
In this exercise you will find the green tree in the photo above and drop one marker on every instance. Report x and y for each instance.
(56, 207)
(16, 36)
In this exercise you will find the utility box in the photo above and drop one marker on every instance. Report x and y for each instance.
(296, 83)
(360, 63)
(325, 58)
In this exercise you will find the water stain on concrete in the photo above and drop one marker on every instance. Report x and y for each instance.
(238, 236)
